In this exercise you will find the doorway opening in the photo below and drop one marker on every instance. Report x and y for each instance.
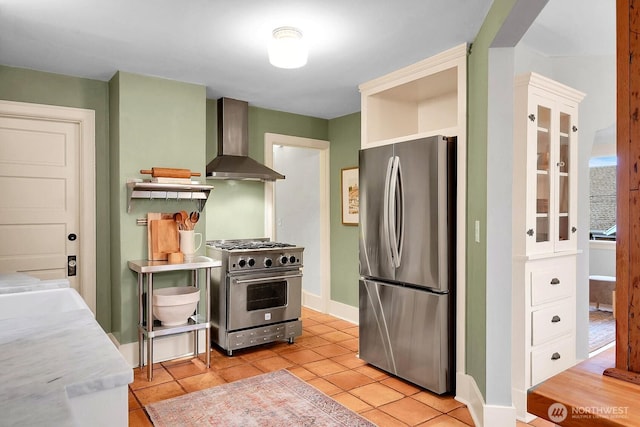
(297, 208)
(602, 244)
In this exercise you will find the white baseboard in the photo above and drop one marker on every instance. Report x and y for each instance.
(497, 415)
(344, 312)
(519, 399)
(467, 392)
(336, 309)
(312, 301)
(164, 348)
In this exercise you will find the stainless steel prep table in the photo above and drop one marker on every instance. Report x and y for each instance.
(147, 331)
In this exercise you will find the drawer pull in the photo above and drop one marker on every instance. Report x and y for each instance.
(555, 356)
(555, 319)
(555, 281)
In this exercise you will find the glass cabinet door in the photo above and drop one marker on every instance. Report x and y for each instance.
(564, 165)
(547, 119)
(543, 176)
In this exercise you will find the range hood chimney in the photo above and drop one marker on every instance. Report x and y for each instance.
(233, 161)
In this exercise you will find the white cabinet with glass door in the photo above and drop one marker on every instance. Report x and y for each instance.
(545, 165)
(544, 232)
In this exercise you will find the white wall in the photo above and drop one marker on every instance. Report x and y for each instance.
(297, 207)
(595, 76)
(602, 258)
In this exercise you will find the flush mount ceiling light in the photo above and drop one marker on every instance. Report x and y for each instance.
(287, 48)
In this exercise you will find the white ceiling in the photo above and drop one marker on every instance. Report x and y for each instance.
(222, 44)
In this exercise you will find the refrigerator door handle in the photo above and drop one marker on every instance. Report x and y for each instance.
(400, 208)
(386, 232)
(396, 213)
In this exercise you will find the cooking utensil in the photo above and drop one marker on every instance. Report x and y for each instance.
(194, 217)
(185, 220)
(169, 172)
(179, 218)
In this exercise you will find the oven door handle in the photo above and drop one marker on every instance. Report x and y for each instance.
(267, 279)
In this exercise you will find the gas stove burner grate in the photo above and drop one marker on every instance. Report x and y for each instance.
(230, 246)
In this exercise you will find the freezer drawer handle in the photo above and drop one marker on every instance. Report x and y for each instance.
(555, 281)
(555, 356)
(555, 319)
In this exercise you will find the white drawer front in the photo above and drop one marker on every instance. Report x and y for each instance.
(551, 322)
(552, 280)
(552, 358)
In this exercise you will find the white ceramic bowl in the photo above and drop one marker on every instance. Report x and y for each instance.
(173, 306)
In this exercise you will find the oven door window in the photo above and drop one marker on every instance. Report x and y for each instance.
(266, 295)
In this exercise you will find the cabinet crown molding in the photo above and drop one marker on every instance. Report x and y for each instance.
(535, 80)
(414, 71)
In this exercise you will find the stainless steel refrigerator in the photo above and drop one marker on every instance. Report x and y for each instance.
(407, 268)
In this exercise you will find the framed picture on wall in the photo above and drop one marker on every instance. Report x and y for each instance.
(350, 196)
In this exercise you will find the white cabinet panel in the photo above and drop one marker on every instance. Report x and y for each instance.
(552, 358)
(552, 279)
(553, 321)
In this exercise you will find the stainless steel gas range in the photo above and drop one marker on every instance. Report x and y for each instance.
(256, 295)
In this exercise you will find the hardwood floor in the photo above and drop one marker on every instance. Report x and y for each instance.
(590, 398)
(325, 357)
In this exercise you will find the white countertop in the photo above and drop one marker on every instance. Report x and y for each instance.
(46, 359)
(20, 282)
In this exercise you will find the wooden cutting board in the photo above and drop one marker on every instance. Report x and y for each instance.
(162, 237)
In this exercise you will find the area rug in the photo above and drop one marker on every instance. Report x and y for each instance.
(270, 400)
(602, 328)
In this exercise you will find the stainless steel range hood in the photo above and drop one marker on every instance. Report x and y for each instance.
(233, 161)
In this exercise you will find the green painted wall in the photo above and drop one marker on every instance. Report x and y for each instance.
(18, 84)
(344, 134)
(158, 123)
(478, 74)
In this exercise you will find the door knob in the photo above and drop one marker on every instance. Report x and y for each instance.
(72, 237)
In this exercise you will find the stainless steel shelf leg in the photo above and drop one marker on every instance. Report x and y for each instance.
(194, 281)
(140, 321)
(149, 326)
(207, 337)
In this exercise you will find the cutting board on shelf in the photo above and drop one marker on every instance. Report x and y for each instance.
(162, 236)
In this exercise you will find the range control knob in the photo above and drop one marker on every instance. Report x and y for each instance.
(292, 259)
(267, 262)
(242, 263)
(284, 260)
(251, 262)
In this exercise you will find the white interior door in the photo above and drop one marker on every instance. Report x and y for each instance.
(41, 165)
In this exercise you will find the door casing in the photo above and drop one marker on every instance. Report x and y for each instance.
(85, 119)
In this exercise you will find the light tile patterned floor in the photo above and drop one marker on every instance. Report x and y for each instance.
(325, 357)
